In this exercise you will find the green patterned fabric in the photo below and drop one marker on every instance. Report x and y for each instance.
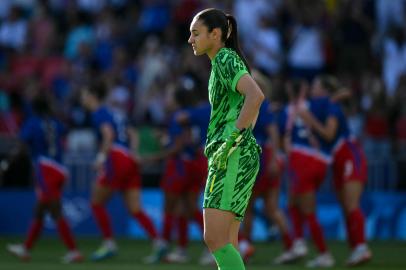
(226, 102)
(229, 186)
(230, 189)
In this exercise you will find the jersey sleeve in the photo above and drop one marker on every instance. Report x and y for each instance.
(232, 68)
(101, 117)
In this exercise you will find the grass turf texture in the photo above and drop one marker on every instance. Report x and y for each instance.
(48, 251)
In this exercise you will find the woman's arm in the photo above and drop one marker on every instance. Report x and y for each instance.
(253, 99)
(327, 131)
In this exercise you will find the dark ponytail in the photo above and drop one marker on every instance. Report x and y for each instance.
(232, 40)
(215, 18)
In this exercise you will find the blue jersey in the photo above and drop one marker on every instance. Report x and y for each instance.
(199, 118)
(44, 136)
(292, 125)
(301, 136)
(175, 130)
(117, 121)
(265, 119)
(343, 131)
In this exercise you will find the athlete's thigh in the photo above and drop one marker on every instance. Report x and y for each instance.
(100, 193)
(132, 199)
(351, 194)
(217, 226)
(230, 189)
(233, 235)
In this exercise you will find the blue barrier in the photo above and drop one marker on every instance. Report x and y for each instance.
(386, 215)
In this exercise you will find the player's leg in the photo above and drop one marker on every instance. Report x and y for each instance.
(274, 212)
(101, 194)
(133, 202)
(299, 248)
(55, 210)
(160, 249)
(221, 237)
(307, 204)
(226, 198)
(179, 253)
(350, 197)
(22, 251)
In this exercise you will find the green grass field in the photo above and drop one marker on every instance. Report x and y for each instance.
(47, 252)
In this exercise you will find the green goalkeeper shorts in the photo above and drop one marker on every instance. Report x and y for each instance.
(230, 189)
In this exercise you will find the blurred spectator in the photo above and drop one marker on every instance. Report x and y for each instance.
(389, 13)
(13, 31)
(353, 33)
(394, 59)
(42, 31)
(377, 126)
(81, 34)
(306, 56)
(267, 47)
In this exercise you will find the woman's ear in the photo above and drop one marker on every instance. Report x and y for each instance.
(216, 34)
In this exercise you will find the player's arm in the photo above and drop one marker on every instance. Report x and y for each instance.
(252, 102)
(107, 135)
(175, 148)
(327, 131)
(247, 119)
(134, 140)
(341, 95)
(274, 142)
(182, 118)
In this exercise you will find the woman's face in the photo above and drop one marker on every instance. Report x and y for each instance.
(86, 99)
(200, 39)
(317, 89)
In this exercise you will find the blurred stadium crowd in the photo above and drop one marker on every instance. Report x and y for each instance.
(140, 49)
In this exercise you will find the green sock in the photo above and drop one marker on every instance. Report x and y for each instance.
(228, 258)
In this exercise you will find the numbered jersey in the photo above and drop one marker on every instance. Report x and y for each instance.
(43, 135)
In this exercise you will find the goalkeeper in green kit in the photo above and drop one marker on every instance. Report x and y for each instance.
(231, 149)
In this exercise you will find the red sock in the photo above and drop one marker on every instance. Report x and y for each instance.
(33, 233)
(146, 223)
(316, 232)
(183, 232)
(198, 217)
(66, 234)
(287, 241)
(297, 221)
(103, 220)
(350, 237)
(167, 227)
(356, 227)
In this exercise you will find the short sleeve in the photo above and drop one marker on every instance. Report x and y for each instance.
(232, 68)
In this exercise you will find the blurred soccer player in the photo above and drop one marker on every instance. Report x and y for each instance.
(117, 169)
(308, 158)
(183, 177)
(197, 118)
(231, 149)
(349, 166)
(42, 134)
(267, 185)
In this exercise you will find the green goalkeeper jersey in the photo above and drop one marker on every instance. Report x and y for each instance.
(226, 102)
